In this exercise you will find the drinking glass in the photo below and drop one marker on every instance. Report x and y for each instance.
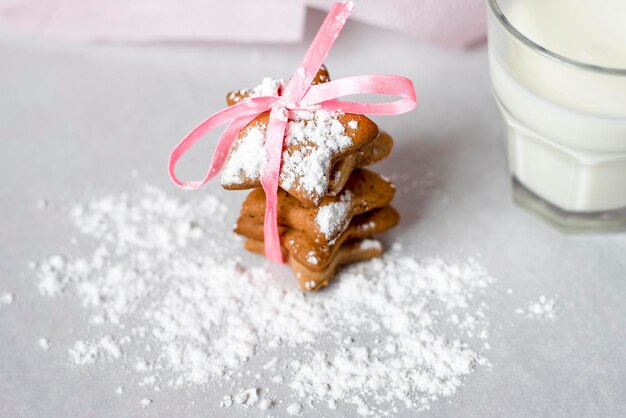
(566, 129)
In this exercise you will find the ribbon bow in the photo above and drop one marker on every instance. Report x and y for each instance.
(298, 94)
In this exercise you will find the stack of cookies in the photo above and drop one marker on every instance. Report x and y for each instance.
(329, 207)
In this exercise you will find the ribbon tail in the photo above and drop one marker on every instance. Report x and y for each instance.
(269, 180)
(273, 250)
(318, 51)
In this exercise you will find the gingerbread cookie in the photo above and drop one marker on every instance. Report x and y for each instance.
(269, 87)
(327, 205)
(364, 191)
(314, 142)
(372, 153)
(317, 257)
(350, 252)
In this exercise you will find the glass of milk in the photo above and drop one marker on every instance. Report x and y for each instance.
(558, 69)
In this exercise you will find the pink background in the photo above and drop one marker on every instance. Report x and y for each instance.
(451, 23)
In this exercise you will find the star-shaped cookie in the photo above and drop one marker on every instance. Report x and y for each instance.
(317, 257)
(315, 143)
(364, 191)
(350, 252)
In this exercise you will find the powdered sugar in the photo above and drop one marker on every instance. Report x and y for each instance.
(162, 283)
(265, 404)
(316, 137)
(268, 87)
(83, 353)
(333, 217)
(544, 308)
(246, 160)
(86, 352)
(370, 244)
(312, 140)
(44, 344)
(247, 397)
(294, 409)
(52, 282)
(414, 363)
(6, 299)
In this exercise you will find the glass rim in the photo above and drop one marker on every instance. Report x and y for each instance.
(495, 8)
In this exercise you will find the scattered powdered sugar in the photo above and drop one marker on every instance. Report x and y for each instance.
(414, 364)
(87, 352)
(6, 299)
(44, 344)
(167, 301)
(83, 353)
(227, 401)
(247, 397)
(52, 281)
(294, 409)
(544, 308)
(311, 258)
(334, 217)
(265, 404)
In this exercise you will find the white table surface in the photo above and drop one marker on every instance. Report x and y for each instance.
(63, 108)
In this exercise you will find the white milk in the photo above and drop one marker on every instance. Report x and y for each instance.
(567, 126)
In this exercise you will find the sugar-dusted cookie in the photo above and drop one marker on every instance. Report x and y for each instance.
(373, 152)
(314, 142)
(364, 191)
(350, 252)
(270, 87)
(317, 257)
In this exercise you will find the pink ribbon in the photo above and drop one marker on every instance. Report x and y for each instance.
(298, 94)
